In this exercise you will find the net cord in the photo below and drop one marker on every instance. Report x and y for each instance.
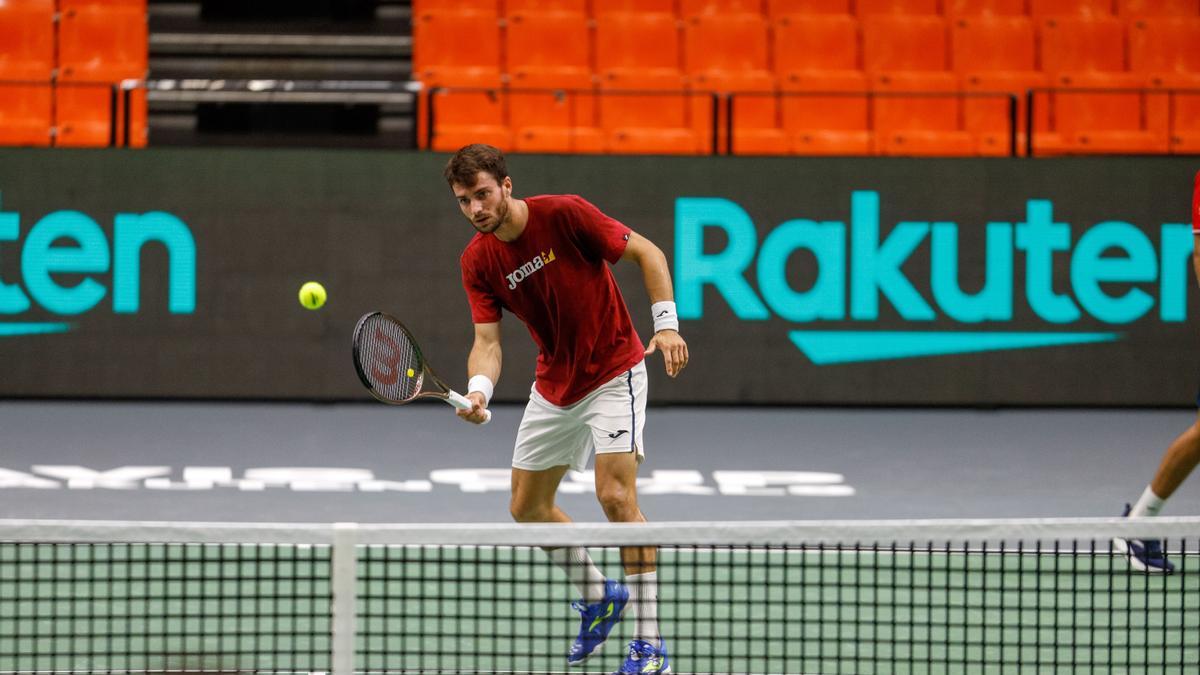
(690, 533)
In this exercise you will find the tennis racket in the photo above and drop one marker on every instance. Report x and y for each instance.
(391, 366)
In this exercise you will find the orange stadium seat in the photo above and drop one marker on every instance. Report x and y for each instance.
(985, 7)
(894, 43)
(919, 113)
(690, 8)
(602, 7)
(83, 116)
(994, 54)
(463, 117)
(1164, 50)
(725, 43)
(550, 43)
(64, 5)
(637, 42)
(825, 42)
(562, 120)
(419, 7)
(1090, 121)
(1074, 44)
(826, 112)
(999, 43)
(441, 57)
(658, 119)
(781, 8)
(25, 114)
(27, 33)
(1143, 8)
(864, 8)
(1165, 45)
(532, 6)
(102, 44)
(1079, 8)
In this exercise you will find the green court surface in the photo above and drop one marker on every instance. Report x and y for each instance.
(155, 607)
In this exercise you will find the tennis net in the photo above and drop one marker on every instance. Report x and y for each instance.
(950, 596)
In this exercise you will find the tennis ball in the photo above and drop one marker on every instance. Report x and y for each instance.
(312, 295)
(411, 372)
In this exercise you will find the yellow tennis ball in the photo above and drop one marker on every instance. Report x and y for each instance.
(411, 372)
(312, 295)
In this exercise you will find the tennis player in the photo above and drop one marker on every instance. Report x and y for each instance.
(545, 259)
(1181, 457)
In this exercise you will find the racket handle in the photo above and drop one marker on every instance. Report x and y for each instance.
(459, 401)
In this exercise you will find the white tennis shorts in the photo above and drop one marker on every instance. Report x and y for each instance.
(610, 419)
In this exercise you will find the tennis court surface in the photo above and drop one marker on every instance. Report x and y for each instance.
(752, 578)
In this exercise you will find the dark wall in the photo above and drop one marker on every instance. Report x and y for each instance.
(798, 280)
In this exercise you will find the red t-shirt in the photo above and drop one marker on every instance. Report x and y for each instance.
(1196, 205)
(554, 278)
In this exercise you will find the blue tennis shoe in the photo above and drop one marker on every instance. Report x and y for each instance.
(646, 659)
(597, 621)
(1144, 555)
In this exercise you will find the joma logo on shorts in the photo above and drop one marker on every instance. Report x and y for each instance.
(518, 275)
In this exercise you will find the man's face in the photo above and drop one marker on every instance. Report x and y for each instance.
(485, 203)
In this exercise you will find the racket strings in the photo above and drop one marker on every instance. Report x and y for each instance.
(390, 360)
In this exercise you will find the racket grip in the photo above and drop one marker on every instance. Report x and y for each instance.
(462, 403)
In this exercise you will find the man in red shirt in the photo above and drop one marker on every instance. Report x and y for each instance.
(1181, 457)
(545, 259)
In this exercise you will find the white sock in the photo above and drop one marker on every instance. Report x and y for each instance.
(643, 600)
(1149, 504)
(583, 573)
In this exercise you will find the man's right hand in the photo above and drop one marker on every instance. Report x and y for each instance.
(476, 414)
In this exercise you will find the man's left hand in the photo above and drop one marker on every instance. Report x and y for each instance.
(674, 350)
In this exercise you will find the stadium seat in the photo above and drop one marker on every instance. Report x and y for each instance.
(441, 57)
(919, 113)
(991, 44)
(735, 42)
(1077, 8)
(988, 118)
(637, 42)
(994, 54)
(603, 7)
(27, 33)
(755, 109)
(826, 112)
(25, 114)
(957, 8)
(555, 6)
(690, 8)
(904, 43)
(552, 43)
(865, 8)
(419, 7)
(1132, 9)
(805, 43)
(1165, 45)
(463, 117)
(777, 9)
(97, 43)
(1078, 45)
(651, 114)
(83, 116)
(1091, 121)
(563, 120)
(64, 5)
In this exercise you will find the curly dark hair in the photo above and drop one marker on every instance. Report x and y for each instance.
(466, 164)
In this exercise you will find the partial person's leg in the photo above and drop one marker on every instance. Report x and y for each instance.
(533, 501)
(616, 488)
(1181, 458)
(1177, 463)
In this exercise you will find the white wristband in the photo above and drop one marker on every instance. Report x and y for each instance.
(664, 316)
(482, 384)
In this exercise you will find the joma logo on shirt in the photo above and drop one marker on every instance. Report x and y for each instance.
(518, 275)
